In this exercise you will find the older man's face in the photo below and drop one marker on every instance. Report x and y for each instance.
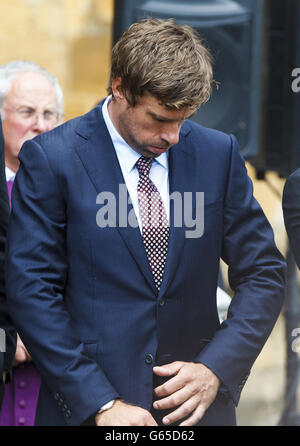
(30, 108)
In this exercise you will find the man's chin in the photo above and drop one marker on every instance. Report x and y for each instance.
(156, 151)
(28, 137)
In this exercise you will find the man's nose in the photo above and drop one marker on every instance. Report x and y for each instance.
(40, 124)
(171, 135)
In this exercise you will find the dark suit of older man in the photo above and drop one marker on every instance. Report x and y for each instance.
(7, 332)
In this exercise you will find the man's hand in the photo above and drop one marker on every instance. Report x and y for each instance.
(4, 376)
(192, 389)
(21, 354)
(123, 414)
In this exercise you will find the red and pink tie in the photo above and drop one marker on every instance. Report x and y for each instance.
(155, 227)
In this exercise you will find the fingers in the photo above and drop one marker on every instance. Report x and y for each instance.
(196, 417)
(28, 357)
(173, 400)
(144, 418)
(192, 406)
(184, 410)
(186, 400)
(150, 422)
(123, 414)
(168, 369)
(173, 384)
(20, 356)
(190, 391)
(169, 388)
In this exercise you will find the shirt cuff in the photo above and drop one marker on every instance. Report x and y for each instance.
(106, 406)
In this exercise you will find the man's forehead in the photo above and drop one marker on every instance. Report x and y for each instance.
(172, 115)
(29, 85)
(157, 110)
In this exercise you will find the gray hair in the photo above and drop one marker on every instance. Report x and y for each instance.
(9, 71)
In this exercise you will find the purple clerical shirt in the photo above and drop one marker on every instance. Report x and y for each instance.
(21, 394)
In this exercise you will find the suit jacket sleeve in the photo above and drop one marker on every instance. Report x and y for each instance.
(291, 212)
(257, 276)
(36, 276)
(5, 320)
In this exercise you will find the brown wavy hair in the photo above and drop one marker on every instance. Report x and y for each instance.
(165, 59)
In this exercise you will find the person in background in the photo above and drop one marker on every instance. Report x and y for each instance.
(30, 104)
(7, 332)
(291, 212)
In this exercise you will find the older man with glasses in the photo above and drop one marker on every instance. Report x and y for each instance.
(30, 104)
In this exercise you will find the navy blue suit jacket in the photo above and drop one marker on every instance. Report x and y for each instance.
(83, 297)
(9, 338)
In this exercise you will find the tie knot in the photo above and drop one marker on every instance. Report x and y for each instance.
(143, 165)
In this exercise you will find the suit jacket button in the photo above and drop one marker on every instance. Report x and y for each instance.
(162, 302)
(149, 359)
(22, 404)
(21, 421)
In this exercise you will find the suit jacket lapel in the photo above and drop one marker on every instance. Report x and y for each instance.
(181, 179)
(100, 161)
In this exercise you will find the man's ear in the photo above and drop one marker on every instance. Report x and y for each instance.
(116, 87)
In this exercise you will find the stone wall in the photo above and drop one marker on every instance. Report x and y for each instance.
(71, 38)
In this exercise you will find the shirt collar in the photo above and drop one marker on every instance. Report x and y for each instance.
(9, 174)
(123, 150)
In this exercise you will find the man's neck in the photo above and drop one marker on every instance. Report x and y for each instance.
(112, 111)
(13, 165)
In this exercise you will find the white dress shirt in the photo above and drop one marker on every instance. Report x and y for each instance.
(9, 174)
(127, 157)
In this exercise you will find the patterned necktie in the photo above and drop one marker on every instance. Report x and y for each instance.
(155, 227)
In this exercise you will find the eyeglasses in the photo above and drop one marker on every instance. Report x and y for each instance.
(30, 114)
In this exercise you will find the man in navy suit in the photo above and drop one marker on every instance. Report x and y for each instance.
(120, 218)
(7, 332)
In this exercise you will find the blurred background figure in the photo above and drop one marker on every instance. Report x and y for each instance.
(291, 212)
(31, 102)
(7, 332)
